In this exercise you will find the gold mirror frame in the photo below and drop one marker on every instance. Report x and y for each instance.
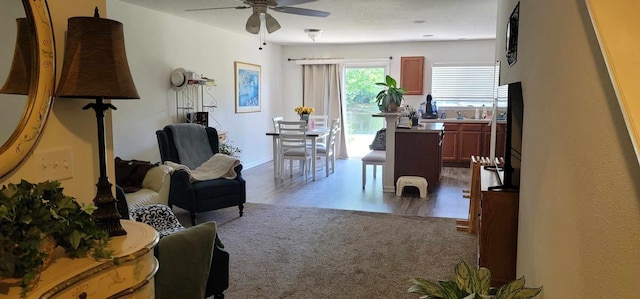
(40, 98)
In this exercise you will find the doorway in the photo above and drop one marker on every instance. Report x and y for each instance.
(360, 93)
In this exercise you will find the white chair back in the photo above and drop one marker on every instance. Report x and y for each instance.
(275, 123)
(328, 150)
(319, 121)
(331, 140)
(292, 134)
(293, 145)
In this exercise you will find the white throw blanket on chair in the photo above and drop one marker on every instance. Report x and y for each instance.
(218, 166)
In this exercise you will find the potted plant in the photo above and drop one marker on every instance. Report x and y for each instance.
(390, 98)
(228, 149)
(31, 213)
(471, 283)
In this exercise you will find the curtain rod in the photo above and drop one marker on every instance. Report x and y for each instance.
(304, 61)
(295, 59)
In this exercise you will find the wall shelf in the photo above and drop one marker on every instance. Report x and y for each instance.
(196, 99)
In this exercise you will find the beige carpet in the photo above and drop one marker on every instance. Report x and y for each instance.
(295, 252)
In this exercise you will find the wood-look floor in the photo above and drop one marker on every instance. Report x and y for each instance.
(343, 190)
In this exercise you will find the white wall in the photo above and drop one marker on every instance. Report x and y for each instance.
(157, 43)
(580, 197)
(481, 51)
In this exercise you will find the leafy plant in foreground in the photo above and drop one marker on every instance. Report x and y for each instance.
(471, 283)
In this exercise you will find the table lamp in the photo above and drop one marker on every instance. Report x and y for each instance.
(95, 66)
(19, 78)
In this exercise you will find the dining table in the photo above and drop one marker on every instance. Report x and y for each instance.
(312, 134)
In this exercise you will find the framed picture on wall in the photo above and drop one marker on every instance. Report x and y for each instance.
(247, 80)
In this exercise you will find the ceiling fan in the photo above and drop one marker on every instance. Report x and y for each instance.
(260, 8)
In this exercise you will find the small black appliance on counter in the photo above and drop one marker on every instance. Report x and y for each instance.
(432, 109)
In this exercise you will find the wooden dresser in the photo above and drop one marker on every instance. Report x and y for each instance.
(498, 235)
(88, 278)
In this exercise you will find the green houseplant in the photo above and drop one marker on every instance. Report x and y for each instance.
(471, 283)
(390, 98)
(30, 213)
(228, 149)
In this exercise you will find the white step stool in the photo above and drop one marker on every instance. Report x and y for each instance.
(415, 181)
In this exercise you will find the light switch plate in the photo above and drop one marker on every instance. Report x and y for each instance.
(53, 164)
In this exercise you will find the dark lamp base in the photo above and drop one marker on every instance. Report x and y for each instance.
(107, 216)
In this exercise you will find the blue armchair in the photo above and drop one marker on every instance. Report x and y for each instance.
(191, 145)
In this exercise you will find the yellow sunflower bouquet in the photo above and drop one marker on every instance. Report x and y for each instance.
(303, 110)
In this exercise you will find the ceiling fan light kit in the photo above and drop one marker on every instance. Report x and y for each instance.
(260, 8)
(271, 23)
(253, 23)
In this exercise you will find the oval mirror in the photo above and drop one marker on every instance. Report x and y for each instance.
(27, 75)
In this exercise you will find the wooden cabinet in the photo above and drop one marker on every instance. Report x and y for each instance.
(463, 140)
(412, 74)
(418, 152)
(132, 277)
(450, 143)
(470, 141)
(498, 239)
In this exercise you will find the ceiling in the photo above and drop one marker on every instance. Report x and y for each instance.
(352, 21)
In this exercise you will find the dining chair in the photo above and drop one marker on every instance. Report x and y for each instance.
(276, 129)
(293, 146)
(275, 123)
(318, 121)
(327, 151)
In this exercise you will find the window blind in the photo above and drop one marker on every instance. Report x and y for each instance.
(466, 83)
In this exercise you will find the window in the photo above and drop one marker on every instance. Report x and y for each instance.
(462, 85)
(359, 103)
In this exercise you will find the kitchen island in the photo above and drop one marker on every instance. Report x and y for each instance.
(418, 152)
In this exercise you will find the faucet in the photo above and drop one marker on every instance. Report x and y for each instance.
(459, 114)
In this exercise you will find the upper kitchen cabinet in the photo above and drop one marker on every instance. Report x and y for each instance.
(412, 74)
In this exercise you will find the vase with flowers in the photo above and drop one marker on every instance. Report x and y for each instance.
(304, 112)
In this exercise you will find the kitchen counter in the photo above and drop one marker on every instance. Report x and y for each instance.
(429, 127)
(455, 120)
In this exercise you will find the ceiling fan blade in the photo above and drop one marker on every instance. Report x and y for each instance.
(301, 11)
(271, 23)
(293, 2)
(253, 23)
(215, 8)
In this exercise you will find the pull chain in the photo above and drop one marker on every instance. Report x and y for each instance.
(262, 39)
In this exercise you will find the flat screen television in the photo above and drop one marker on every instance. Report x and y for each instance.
(512, 160)
(513, 157)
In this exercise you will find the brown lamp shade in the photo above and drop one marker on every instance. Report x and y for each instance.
(19, 78)
(95, 61)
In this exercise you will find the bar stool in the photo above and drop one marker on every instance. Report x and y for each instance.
(374, 158)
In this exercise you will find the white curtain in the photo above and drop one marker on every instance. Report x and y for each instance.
(322, 90)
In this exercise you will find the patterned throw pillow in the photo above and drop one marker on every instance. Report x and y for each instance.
(379, 142)
(159, 217)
